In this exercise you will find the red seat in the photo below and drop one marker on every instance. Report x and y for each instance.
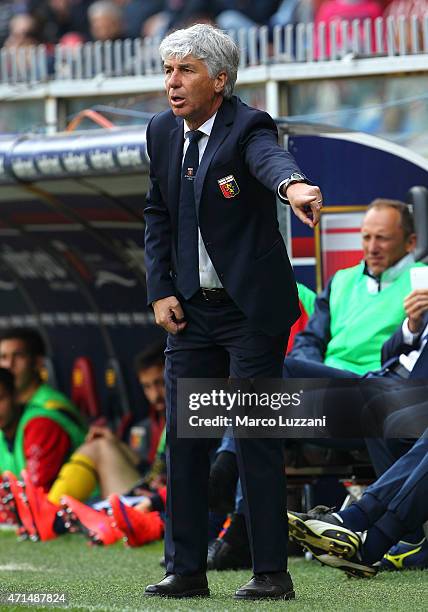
(83, 388)
(298, 326)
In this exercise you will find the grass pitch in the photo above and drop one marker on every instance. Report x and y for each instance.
(114, 578)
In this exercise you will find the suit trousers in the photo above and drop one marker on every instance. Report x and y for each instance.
(401, 430)
(396, 502)
(219, 342)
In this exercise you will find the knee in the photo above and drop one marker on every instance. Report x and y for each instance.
(97, 448)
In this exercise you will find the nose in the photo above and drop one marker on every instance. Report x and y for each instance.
(372, 245)
(174, 79)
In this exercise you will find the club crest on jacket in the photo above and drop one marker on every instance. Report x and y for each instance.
(228, 185)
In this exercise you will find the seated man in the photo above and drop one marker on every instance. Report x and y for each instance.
(391, 507)
(42, 428)
(361, 306)
(103, 458)
(404, 356)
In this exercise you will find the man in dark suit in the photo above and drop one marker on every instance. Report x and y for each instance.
(394, 506)
(221, 284)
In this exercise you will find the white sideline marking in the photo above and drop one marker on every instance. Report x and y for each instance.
(13, 567)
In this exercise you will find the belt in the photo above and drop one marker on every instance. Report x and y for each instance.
(214, 295)
(399, 370)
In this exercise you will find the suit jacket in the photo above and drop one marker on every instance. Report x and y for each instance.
(395, 346)
(240, 233)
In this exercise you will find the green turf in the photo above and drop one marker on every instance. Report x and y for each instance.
(113, 578)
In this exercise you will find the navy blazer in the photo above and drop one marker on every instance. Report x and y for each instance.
(240, 233)
(395, 346)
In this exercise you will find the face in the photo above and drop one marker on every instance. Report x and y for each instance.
(383, 239)
(7, 415)
(20, 28)
(105, 27)
(14, 357)
(153, 383)
(192, 93)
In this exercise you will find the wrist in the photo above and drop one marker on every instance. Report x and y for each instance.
(294, 178)
(414, 325)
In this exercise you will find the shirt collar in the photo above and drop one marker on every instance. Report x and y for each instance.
(205, 128)
(375, 284)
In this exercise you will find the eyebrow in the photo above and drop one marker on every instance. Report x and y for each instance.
(186, 65)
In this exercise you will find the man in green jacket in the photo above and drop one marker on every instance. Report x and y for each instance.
(42, 427)
(361, 306)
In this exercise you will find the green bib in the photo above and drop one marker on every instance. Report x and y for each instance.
(48, 403)
(307, 297)
(360, 321)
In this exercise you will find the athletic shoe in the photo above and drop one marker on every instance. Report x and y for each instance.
(405, 555)
(22, 507)
(96, 525)
(231, 549)
(44, 512)
(322, 530)
(8, 515)
(223, 555)
(139, 527)
(352, 566)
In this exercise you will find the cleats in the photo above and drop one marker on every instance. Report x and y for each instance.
(354, 567)
(320, 529)
(19, 502)
(321, 533)
(405, 555)
(139, 527)
(8, 515)
(43, 511)
(96, 525)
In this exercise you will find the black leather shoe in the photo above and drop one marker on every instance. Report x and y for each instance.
(174, 585)
(276, 585)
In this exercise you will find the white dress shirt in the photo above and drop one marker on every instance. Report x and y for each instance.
(409, 360)
(208, 277)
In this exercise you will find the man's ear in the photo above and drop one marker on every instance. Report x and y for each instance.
(411, 243)
(39, 363)
(220, 82)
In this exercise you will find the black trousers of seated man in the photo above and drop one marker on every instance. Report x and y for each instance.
(219, 342)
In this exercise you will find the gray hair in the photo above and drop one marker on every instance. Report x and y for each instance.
(204, 42)
(104, 7)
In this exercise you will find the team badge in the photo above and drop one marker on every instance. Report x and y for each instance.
(228, 185)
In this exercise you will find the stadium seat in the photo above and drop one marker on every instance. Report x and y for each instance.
(418, 198)
(116, 407)
(298, 326)
(83, 388)
(48, 372)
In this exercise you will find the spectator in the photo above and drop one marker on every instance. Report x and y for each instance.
(336, 11)
(24, 31)
(106, 21)
(44, 428)
(60, 17)
(237, 14)
(408, 9)
(361, 306)
(135, 14)
(178, 14)
(9, 8)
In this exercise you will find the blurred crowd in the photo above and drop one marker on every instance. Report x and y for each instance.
(71, 22)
